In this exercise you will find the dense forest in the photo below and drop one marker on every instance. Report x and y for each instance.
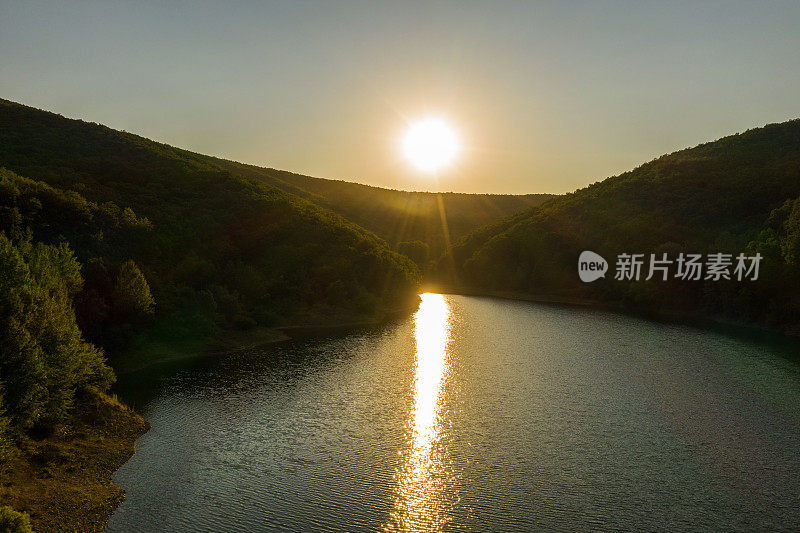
(214, 248)
(50, 379)
(45, 359)
(735, 195)
(411, 222)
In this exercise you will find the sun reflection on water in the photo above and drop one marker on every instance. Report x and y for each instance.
(422, 493)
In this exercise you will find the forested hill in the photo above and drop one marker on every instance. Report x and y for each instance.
(214, 249)
(735, 195)
(399, 217)
(410, 222)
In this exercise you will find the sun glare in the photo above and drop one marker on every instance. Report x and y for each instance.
(430, 144)
(425, 490)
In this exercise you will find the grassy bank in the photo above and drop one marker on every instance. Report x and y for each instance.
(63, 480)
(156, 352)
(173, 343)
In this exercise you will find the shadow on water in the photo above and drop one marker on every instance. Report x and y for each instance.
(303, 350)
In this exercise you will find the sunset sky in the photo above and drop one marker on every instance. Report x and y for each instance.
(543, 96)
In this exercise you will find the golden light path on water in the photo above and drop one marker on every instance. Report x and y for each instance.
(422, 492)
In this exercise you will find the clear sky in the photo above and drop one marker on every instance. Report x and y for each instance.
(544, 96)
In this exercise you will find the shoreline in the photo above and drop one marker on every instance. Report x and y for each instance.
(721, 325)
(65, 481)
(227, 341)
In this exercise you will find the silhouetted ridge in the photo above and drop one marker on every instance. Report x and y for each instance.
(221, 250)
(733, 195)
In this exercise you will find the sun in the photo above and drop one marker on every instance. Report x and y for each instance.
(430, 144)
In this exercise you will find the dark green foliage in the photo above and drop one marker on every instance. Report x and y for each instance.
(12, 521)
(115, 303)
(131, 291)
(779, 243)
(44, 360)
(418, 251)
(717, 197)
(55, 215)
(780, 239)
(108, 312)
(6, 444)
(396, 216)
(215, 242)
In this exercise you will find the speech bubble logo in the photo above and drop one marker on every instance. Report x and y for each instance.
(591, 266)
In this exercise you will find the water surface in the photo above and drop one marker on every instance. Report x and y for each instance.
(473, 414)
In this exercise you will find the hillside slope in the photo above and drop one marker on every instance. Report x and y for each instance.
(734, 195)
(221, 250)
(410, 222)
(398, 216)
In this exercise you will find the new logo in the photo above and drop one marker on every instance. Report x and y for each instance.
(591, 266)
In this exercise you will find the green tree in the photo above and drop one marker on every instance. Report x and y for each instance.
(418, 251)
(44, 359)
(12, 521)
(5, 437)
(132, 291)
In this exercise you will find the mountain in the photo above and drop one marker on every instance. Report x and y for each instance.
(399, 217)
(111, 244)
(214, 249)
(735, 195)
(410, 222)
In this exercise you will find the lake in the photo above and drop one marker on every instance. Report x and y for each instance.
(472, 414)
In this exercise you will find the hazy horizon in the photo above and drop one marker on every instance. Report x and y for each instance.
(545, 98)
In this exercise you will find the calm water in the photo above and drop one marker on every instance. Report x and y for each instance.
(474, 414)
